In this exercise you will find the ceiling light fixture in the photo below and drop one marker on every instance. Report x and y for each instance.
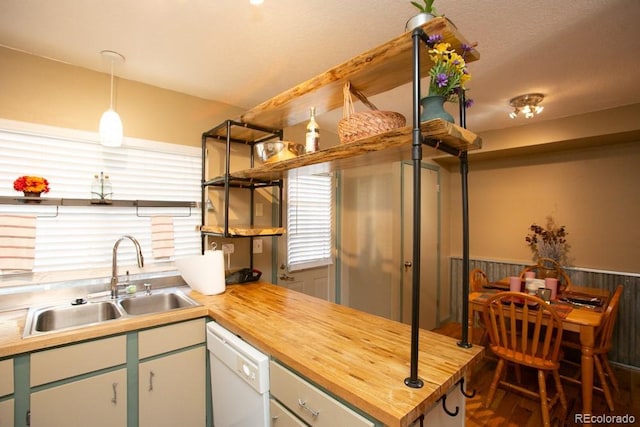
(110, 123)
(256, 2)
(527, 104)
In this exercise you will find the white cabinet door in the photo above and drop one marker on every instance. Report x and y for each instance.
(172, 390)
(96, 401)
(6, 413)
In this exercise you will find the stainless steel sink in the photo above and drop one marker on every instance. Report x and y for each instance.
(60, 317)
(156, 303)
(69, 316)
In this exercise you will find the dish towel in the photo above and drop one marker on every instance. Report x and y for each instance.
(162, 236)
(17, 242)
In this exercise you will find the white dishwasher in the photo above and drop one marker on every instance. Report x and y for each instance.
(239, 380)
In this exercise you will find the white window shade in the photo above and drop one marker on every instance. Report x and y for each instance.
(82, 237)
(309, 221)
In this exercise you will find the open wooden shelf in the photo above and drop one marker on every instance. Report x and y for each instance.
(387, 147)
(375, 71)
(242, 230)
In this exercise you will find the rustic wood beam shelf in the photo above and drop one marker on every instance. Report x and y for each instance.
(242, 230)
(388, 147)
(375, 71)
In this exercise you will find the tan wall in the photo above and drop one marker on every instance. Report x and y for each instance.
(592, 191)
(42, 91)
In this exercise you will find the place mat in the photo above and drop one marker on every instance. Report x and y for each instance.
(582, 298)
(500, 285)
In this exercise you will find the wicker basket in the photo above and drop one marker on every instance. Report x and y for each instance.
(355, 126)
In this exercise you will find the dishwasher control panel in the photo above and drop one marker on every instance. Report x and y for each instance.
(248, 371)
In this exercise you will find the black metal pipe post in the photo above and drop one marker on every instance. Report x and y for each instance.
(227, 179)
(413, 380)
(464, 170)
(204, 193)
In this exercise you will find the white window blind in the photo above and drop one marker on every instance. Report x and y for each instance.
(82, 237)
(309, 221)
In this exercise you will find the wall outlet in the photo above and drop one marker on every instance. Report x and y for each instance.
(228, 248)
(257, 246)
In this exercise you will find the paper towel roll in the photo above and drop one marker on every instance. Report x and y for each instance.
(203, 273)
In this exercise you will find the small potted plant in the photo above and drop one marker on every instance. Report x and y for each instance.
(427, 12)
(31, 186)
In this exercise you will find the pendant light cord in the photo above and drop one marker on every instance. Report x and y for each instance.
(111, 94)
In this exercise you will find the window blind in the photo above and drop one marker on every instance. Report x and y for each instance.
(309, 221)
(82, 237)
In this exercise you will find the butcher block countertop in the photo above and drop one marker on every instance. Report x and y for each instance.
(361, 358)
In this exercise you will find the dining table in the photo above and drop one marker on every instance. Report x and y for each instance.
(578, 317)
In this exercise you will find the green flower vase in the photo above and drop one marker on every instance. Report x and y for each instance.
(433, 108)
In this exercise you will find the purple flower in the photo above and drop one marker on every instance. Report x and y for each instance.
(434, 38)
(468, 103)
(442, 79)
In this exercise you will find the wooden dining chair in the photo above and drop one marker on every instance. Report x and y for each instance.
(603, 343)
(532, 342)
(477, 280)
(546, 264)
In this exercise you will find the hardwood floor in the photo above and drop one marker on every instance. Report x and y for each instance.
(511, 409)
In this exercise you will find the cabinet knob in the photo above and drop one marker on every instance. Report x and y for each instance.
(407, 265)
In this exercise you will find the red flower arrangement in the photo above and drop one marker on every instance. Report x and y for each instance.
(31, 184)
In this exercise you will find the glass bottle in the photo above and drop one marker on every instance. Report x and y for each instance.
(96, 189)
(312, 142)
(107, 189)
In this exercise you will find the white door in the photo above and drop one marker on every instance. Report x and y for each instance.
(429, 245)
(369, 246)
(311, 281)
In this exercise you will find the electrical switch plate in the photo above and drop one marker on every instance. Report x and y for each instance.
(257, 246)
(259, 209)
(228, 248)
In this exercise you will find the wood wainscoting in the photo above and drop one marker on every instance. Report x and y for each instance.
(626, 340)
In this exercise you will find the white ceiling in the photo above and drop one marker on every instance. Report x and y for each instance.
(583, 55)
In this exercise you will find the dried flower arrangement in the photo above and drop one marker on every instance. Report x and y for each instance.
(548, 242)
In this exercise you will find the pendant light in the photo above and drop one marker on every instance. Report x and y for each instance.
(110, 123)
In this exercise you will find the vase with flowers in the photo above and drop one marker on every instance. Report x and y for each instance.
(31, 186)
(549, 242)
(447, 79)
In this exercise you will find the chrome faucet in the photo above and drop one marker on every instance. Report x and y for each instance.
(114, 262)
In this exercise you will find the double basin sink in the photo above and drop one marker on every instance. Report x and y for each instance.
(81, 313)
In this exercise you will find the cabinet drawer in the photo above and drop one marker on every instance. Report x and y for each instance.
(281, 417)
(65, 362)
(310, 403)
(172, 337)
(6, 375)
